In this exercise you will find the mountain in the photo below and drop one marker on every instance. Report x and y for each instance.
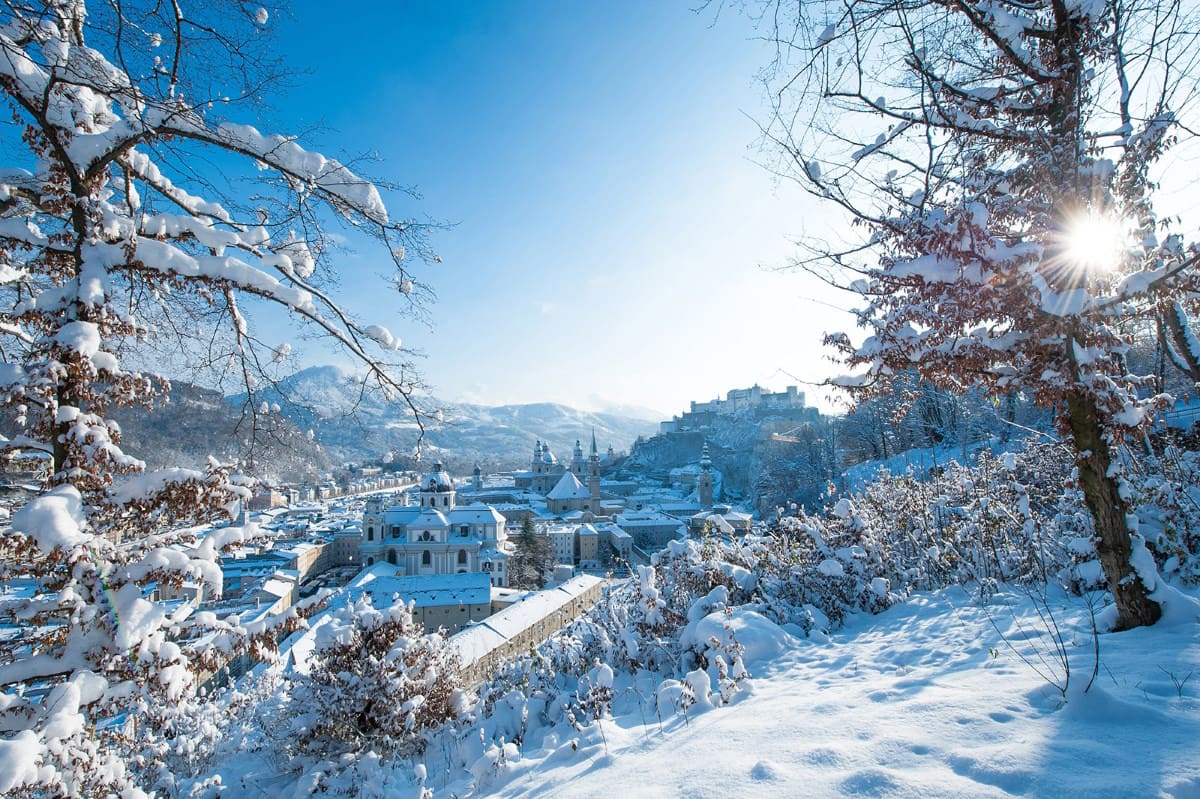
(356, 425)
(196, 423)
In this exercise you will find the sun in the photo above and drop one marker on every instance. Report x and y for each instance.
(1094, 243)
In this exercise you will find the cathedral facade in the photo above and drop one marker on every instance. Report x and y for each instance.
(436, 536)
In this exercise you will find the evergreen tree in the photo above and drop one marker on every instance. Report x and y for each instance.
(533, 561)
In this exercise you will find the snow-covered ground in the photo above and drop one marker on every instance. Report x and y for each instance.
(933, 698)
(925, 700)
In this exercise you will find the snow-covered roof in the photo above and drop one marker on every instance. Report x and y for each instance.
(437, 480)
(568, 487)
(726, 514)
(644, 518)
(401, 514)
(490, 553)
(477, 640)
(383, 582)
(278, 587)
(612, 530)
(476, 513)
(430, 517)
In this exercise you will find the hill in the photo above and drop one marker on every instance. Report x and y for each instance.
(356, 425)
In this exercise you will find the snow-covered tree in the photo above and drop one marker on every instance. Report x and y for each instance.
(137, 218)
(379, 682)
(532, 561)
(1000, 157)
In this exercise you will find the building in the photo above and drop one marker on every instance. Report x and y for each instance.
(650, 529)
(720, 520)
(741, 399)
(704, 481)
(449, 601)
(544, 471)
(436, 536)
(757, 400)
(566, 488)
(526, 624)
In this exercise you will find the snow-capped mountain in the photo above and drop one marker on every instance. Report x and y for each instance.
(353, 424)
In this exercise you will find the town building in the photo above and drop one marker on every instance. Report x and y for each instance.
(436, 536)
(526, 624)
(446, 601)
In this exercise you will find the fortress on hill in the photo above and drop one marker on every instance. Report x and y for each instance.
(755, 399)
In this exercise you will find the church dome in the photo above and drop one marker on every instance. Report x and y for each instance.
(437, 480)
(548, 456)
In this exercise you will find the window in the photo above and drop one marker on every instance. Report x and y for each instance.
(464, 531)
(371, 533)
(462, 557)
(426, 558)
(446, 501)
(370, 561)
(392, 556)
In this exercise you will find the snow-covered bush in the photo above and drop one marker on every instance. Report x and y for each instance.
(1165, 488)
(102, 679)
(1001, 518)
(378, 682)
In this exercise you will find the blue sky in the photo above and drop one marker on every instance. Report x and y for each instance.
(613, 238)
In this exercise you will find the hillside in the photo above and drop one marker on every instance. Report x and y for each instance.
(196, 422)
(936, 697)
(765, 457)
(353, 425)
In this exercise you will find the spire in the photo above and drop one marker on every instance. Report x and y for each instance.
(594, 441)
(705, 461)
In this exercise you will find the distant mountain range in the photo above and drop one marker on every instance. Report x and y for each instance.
(353, 425)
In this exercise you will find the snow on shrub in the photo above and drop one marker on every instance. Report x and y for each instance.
(378, 682)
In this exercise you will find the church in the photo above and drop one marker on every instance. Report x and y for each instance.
(566, 489)
(436, 536)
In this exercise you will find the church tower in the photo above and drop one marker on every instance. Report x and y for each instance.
(578, 468)
(704, 482)
(477, 478)
(372, 526)
(593, 477)
(437, 490)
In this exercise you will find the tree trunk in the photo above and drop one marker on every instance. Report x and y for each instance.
(1100, 491)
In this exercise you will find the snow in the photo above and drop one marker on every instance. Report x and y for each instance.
(925, 700)
(18, 760)
(932, 698)
(54, 519)
(283, 153)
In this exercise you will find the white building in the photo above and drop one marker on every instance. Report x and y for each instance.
(436, 536)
